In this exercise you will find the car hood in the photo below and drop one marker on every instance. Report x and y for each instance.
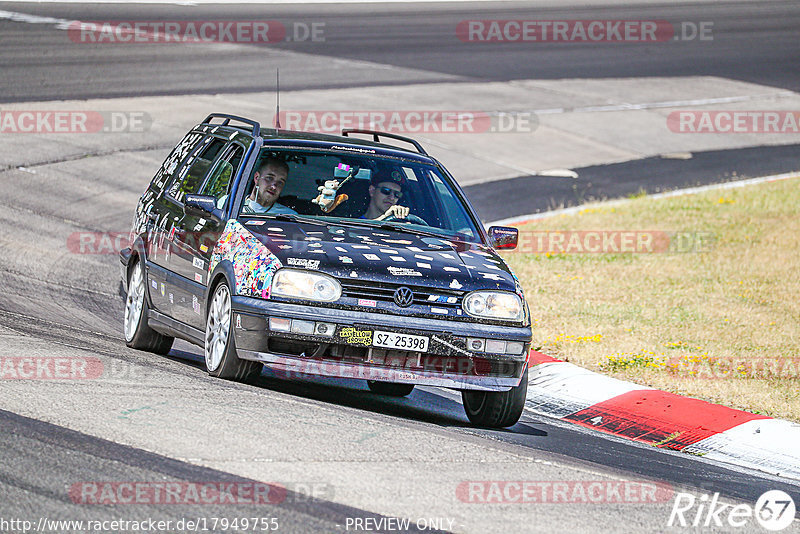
(384, 255)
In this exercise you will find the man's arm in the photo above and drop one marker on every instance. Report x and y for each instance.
(396, 211)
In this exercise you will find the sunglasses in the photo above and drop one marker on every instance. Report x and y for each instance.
(389, 191)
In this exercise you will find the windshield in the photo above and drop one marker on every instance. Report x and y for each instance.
(372, 190)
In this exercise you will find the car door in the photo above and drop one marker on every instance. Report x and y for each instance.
(196, 236)
(188, 179)
(160, 219)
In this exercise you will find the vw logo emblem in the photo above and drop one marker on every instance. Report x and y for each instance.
(403, 297)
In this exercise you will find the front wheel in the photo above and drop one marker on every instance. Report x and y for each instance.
(220, 349)
(138, 334)
(496, 409)
(390, 389)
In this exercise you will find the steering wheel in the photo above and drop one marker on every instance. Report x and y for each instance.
(413, 219)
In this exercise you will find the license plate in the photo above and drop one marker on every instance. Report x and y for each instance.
(392, 340)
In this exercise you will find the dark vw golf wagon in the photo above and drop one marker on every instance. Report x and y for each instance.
(326, 255)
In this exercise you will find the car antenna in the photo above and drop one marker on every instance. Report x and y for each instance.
(278, 99)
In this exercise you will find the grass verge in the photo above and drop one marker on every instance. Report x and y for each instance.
(711, 309)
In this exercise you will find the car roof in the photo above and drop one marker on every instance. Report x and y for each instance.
(343, 143)
(340, 143)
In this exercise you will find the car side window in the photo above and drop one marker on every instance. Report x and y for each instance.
(219, 180)
(181, 150)
(190, 176)
(458, 220)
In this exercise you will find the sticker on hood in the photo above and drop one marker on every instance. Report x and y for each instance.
(303, 262)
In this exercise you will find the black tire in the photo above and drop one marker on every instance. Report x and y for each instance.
(221, 358)
(496, 409)
(138, 335)
(390, 389)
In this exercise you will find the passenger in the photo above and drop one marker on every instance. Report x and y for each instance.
(269, 180)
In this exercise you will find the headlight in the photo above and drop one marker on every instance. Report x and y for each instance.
(494, 305)
(297, 284)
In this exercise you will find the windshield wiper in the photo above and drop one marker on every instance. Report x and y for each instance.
(403, 227)
(395, 226)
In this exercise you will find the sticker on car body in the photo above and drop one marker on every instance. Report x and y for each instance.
(253, 263)
(403, 271)
(303, 262)
(355, 336)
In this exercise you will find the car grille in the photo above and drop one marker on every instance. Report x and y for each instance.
(384, 292)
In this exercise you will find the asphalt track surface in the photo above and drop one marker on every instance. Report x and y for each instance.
(753, 41)
(524, 195)
(68, 304)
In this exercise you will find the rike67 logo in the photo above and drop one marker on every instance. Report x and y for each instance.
(774, 511)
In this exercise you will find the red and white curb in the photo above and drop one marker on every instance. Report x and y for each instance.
(570, 393)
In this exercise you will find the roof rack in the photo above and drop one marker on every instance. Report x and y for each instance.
(376, 137)
(254, 126)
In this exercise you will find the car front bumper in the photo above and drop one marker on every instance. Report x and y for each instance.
(447, 361)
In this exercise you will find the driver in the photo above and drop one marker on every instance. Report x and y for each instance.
(385, 192)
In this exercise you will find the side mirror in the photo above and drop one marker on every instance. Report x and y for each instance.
(501, 237)
(202, 206)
